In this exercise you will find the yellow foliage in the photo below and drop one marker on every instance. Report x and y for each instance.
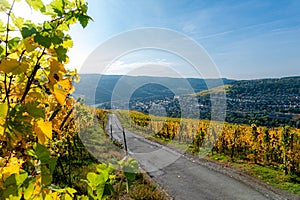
(13, 66)
(7, 168)
(43, 131)
(60, 94)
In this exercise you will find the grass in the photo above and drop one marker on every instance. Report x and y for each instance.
(270, 174)
(107, 151)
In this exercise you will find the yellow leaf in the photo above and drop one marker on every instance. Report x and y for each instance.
(13, 166)
(29, 44)
(1, 130)
(66, 84)
(68, 44)
(43, 131)
(3, 113)
(56, 67)
(57, 70)
(60, 94)
(13, 66)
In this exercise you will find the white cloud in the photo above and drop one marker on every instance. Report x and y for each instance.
(157, 67)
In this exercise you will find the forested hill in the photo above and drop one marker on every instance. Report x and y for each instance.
(266, 87)
(150, 87)
(270, 102)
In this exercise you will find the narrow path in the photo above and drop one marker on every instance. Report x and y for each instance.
(183, 178)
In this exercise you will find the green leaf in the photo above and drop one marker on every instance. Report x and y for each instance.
(19, 22)
(130, 176)
(4, 5)
(42, 152)
(13, 43)
(34, 110)
(61, 54)
(46, 175)
(36, 4)
(52, 164)
(45, 41)
(100, 191)
(84, 20)
(56, 40)
(96, 179)
(29, 190)
(3, 109)
(20, 178)
(63, 27)
(11, 180)
(58, 7)
(2, 52)
(2, 27)
(28, 30)
(31, 152)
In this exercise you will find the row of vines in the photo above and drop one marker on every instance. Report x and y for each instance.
(279, 146)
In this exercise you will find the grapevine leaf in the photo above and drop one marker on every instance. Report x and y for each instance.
(21, 177)
(13, 43)
(29, 44)
(56, 67)
(67, 44)
(63, 27)
(36, 4)
(61, 53)
(2, 27)
(4, 5)
(58, 7)
(3, 113)
(84, 20)
(10, 181)
(43, 131)
(28, 30)
(95, 179)
(52, 164)
(56, 40)
(42, 152)
(45, 41)
(46, 175)
(100, 190)
(28, 191)
(3, 110)
(13, 66)
(60, 94)
(35, 111)
(66, 84)
(19, 22)
(71, 191)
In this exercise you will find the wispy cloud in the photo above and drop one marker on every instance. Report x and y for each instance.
(139, 68)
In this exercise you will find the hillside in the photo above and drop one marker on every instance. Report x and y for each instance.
(270, 102)
(144, 87)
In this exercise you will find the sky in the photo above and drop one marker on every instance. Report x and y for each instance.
(244, 39)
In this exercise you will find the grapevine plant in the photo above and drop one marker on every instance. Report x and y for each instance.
(35, 97)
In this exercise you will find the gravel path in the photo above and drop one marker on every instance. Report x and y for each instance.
(186, 177)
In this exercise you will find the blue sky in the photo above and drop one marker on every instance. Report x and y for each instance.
(245, 39)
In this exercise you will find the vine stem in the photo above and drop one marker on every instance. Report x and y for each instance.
(32, 75)
(7, 28)
(7, 89)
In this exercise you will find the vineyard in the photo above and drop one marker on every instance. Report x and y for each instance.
(260, 145)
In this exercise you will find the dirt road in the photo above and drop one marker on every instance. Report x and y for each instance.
(186, 178)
